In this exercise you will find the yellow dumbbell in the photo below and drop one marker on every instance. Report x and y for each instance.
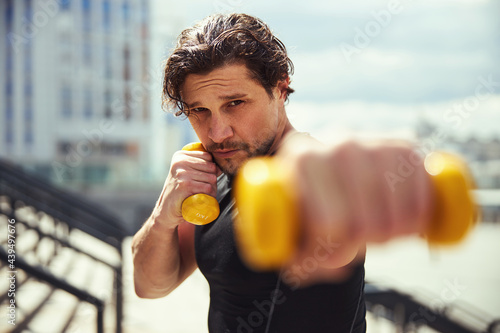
(267, 228)
(199, 208)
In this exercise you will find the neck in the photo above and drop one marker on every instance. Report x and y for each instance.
(284, 128)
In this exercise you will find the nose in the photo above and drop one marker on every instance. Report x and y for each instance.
(220, 128)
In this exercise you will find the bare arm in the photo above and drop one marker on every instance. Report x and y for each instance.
(163, 249)
(163, 258)
(346, 201)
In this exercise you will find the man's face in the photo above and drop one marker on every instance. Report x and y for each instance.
(233, 115)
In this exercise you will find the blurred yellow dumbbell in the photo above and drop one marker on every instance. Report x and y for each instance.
(199, 208)
(267, 229)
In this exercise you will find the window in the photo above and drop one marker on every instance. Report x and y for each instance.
(64, 147)
(144, 19)
(9, 134)
(145, 106)
(27, 60)
(87, 103)
(66, 101)
(144, 12)
(28, 88)
(86, 5)
(126, 63)
(65, 4)
(107, 104)
(8, 87)
(106, 10)
(8, 14)
(126, 11)
(28, 11)
(28, 102)
(28, 131)
(87, 50)
(87, 23)
(108, 72)
(127, 113)
(7, 122)
(95, 173)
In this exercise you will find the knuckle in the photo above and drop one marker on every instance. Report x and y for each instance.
(349, 146)
(213, 179)
(206, 188)
(179, 173)
(347, 151)
(308, 161)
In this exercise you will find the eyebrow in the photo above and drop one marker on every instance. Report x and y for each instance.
(222, 97)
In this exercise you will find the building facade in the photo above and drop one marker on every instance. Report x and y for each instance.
(80, 90)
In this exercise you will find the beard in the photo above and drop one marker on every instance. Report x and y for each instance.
(230, 166)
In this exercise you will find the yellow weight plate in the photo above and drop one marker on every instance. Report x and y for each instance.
(200, 208)
(194, 146)
(454, 212)
(266, 225)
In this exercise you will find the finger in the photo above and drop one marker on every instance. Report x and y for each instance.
(412, 199)
(364, 202)
(198, 154)
(199, 164)
(191, 187)
(370, 201)
(199, 176)
(191, 181)
(323, 211)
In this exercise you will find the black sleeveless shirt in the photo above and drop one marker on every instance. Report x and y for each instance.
(245, 301)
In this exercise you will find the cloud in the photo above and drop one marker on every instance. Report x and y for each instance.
(463, 117)
(333, 121)
(430, 55)
(387, 76)
(428, 52)
(339, 120)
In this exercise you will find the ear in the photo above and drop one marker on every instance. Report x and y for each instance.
(283, 88)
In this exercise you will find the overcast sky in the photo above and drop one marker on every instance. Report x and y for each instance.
(370, 66)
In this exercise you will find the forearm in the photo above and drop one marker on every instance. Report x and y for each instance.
(157, 260)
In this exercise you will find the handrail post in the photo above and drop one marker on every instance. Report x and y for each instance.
(119, 293)
(100, 318)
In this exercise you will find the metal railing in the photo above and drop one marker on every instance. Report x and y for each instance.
(409, 314)
(44, 250)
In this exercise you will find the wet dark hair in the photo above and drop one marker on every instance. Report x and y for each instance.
(220, 40)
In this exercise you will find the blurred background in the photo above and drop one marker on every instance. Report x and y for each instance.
(80, 110)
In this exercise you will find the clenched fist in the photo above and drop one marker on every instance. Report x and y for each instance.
(191, 172)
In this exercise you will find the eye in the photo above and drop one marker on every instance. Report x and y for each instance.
(235, 103)
(198, 110)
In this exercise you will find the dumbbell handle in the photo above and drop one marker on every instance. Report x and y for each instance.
(199, 208)
(267, 228)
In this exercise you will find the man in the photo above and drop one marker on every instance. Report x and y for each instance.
(230, 76)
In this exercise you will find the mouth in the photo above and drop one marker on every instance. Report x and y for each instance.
(226, 153)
